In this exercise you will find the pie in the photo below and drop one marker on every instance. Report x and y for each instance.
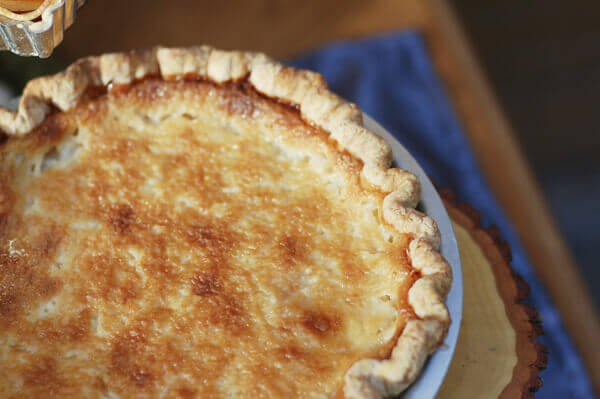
(205, 223)
(24, 10)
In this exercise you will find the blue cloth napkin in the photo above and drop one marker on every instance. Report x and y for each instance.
(392, 79)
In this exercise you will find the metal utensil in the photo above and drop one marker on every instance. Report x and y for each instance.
(39, 37)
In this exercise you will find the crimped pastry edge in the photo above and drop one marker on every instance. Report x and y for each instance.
(367, 378)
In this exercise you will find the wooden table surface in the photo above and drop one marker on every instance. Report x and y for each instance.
(287, 28)
(497, 355)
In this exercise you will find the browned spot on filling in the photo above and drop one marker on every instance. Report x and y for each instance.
(240, 104)
(43, 373)
(204, 284)
(141, 377)
(23, 281)
(225, 301)
(47, 242)
(121, 218)
(294, 250)
(213, 236)
(186, 393)
(75, 329)
(291, 352)
(107, 284)
(230, 313)
(125, 355)
(320, 322)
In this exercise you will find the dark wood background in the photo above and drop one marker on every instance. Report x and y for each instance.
(543, 59)
(544, 64)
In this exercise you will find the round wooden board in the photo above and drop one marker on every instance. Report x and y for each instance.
(497, 354)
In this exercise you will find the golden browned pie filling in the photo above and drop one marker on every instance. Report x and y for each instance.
(24, 10)
(183, 239)
(21, 5)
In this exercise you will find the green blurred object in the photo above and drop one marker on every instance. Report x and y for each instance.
(16, 71)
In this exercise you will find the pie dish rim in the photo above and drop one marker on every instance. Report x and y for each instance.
(430, 380)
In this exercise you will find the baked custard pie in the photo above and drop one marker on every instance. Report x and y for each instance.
(24, 10)
(204, 223)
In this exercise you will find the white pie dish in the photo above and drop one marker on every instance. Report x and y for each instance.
(434, 372)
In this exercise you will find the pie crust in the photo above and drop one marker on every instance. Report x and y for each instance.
(152, 75)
